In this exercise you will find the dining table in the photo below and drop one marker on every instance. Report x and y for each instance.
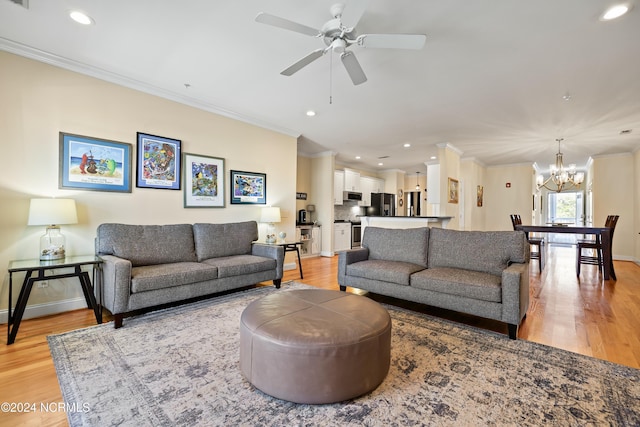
(608, 271)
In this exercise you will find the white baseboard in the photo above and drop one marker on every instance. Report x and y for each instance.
(46, 309)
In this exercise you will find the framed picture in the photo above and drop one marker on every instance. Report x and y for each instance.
(94, 164)
(203, 181)
(479, 195)
(158, 162)
(248, 188)
(453, 190)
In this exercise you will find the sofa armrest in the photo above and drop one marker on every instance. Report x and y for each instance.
(515, 292)
(270, 251)
(116, 283)
(349, 257)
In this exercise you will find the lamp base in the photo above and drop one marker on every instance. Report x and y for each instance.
(52, 244)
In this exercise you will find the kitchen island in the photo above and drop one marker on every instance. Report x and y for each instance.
(404, 221)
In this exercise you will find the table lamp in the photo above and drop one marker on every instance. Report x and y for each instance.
(52, 213)
(270, 215)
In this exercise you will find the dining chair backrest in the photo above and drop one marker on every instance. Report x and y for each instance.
(515, 220)
(611, 222)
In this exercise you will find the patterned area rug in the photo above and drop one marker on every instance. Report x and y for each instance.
(180, 367)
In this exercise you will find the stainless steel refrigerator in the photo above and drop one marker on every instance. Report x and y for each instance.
(382, 204)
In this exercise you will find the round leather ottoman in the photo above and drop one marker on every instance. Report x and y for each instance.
(315, 345)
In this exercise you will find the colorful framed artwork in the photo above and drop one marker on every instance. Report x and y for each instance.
(248, 188)
(158, 162)
(453, 190)
(93, 164)
(203, 181)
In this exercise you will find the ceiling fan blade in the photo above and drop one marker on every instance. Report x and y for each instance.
(276, 21)
(303, 62)
(353, 68)
(392, 41)
(353, 11)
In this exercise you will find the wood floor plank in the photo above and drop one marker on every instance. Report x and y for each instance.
(586, 315)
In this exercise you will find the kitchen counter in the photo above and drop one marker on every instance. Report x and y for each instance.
(405, 221)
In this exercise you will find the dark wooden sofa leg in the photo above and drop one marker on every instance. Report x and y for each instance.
(117, 320)
(277, 283)
(513, 330)
(343, 288)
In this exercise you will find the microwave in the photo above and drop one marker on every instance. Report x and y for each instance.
(350, 195)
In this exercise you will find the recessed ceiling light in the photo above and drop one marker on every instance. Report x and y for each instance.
(433, 157)
(80, 17)
(407, 145)
(357, 157)
(311, 113)
(614, 12)
(380, 164)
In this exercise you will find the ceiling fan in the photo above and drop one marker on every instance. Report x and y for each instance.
(339, 34)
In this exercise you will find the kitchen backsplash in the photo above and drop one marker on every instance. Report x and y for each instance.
(347, 212)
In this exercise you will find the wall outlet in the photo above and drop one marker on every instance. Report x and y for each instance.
(43, 284)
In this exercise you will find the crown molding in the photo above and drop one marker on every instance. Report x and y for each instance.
(111, 77)
(450, 147)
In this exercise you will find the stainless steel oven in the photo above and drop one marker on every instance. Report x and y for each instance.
(356, 235)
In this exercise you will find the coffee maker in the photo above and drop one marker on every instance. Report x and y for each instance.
(302, 216)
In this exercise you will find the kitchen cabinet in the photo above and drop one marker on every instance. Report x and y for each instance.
(309, 236)
(370, 185)
(338, 187)
(341, 236)
(351, 180)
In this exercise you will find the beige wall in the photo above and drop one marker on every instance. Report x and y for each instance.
(611, 198)
(40, 100)
(502, 201)
(322, 167)
(472, 174)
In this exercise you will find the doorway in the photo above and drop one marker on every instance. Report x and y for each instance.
(413, 203)
(565, 208)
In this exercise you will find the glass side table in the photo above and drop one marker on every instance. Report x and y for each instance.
(32, 266)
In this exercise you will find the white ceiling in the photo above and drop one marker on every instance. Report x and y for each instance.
(490, 80)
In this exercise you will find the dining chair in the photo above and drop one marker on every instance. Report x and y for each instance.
(537, 242)
(594, 244)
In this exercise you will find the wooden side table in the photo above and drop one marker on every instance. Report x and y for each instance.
(31, 266)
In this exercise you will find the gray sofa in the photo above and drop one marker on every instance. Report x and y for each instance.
(149, 265)
(480, 273)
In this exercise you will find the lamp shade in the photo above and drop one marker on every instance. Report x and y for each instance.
(52, 212)
(270, 214)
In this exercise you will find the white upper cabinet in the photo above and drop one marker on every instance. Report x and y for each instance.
(338, 187)
(351, 180)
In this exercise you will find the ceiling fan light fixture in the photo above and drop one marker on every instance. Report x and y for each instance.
(614, 12)
(81, 17)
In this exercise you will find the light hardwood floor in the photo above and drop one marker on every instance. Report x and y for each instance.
(587, 316)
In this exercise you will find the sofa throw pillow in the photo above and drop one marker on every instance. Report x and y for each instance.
(147, 244)
(486, 251)
(217, 240)
(394, 244)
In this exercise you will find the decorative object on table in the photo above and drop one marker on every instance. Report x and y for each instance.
(270, 215)
(479, 195)
(94, 164)
(248, 188)
(282, 235)
(560, 177)
(441, 373)
(203, 181)
(453, 190)
(311, 209)
(52, 213)
(158, 162)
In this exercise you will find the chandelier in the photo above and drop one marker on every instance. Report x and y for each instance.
(417, 182)
(559, 176)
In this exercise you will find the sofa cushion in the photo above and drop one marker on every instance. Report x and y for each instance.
(147, 244)
(486, 251)
(455, 281)
(406, 245)
(219, 240)
(238, 265)
(387, 271)
(152, 277)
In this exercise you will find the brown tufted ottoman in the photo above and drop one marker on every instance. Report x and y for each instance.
(315, 345)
